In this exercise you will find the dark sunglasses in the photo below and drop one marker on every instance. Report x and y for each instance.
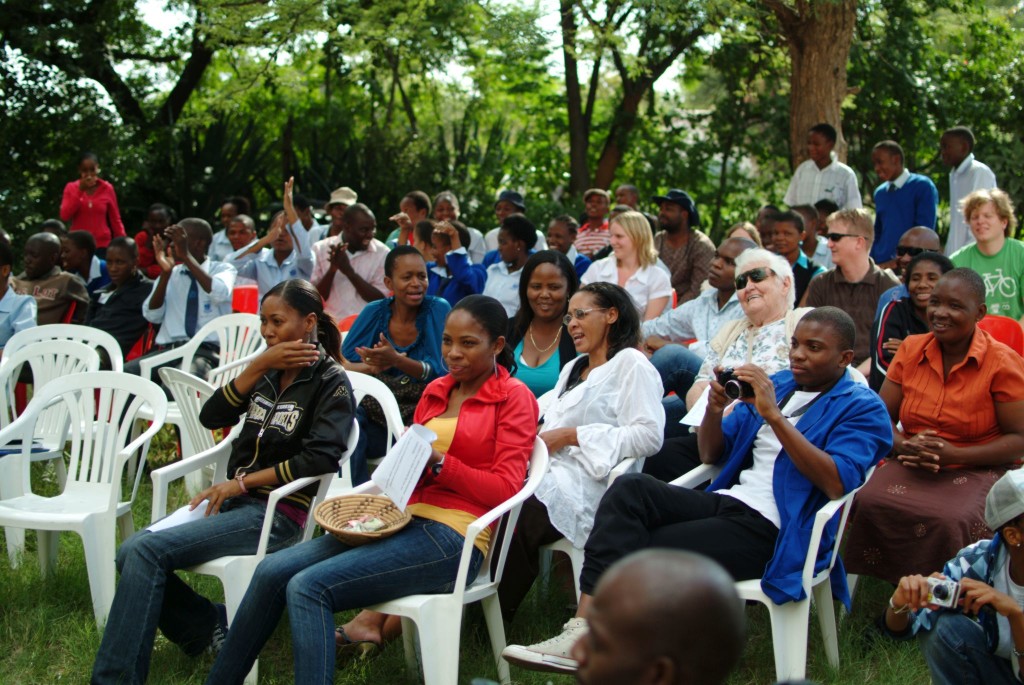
(836, 237)
(756, 275)
(912, 251)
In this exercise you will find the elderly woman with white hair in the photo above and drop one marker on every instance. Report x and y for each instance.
(764, 287)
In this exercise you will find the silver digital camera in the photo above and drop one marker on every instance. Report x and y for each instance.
(943, 593)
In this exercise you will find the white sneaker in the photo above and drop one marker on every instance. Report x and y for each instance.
(552, 655)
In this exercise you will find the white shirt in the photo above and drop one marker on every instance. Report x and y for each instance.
(344, 299)
(648, 283)
(477, 246)
(611, 425)
(755, 483)
(317, 232)
(699, 318)
(264, 269)
(220, 246)
(971, 175)
(836, 182)
(491, 242)
(822, 255)
(503, 286)
(171, 316)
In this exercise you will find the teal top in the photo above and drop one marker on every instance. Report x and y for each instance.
(539, 379)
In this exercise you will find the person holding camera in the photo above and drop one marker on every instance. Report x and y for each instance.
(969, 619)
(796, 440)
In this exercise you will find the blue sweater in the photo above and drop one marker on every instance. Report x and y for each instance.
(459, 279)
(851, 424)
(913, 204)
(375, 319)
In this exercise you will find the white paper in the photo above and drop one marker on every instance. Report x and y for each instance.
(403, 465)
(179, 517)
(700, 407)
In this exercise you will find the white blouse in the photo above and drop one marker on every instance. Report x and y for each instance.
(617, 414)
(648, 283)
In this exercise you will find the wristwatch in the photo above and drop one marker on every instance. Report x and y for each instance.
(436, 468)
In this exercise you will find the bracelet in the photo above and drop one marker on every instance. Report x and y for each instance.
(426, 371)
(902, 610)
(240, 477)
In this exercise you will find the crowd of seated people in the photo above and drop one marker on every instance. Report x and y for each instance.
(620, 323)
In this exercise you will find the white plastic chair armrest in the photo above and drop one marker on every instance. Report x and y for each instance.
(164, 476)
(219, 371)
(147, 364)
(696, 476)
(622, 468)
(275, 497)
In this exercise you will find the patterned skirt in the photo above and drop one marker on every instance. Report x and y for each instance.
(907, 521)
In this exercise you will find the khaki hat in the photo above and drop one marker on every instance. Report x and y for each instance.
(597, 191)
(342, 196)
(1005, 501)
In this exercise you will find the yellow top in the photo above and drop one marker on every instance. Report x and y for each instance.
(453, 518)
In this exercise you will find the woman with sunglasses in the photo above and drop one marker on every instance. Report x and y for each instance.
(764, 287)
(606, 407)
(905, 316)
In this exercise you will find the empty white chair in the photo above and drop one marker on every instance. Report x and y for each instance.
(437, 619)
(87, 335)
(186, 389)
(364, 385)
(101, 410)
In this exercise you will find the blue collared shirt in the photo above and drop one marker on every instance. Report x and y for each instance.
(700, 318)
(17, 313)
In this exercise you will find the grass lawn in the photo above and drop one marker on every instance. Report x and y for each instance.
(47, 632)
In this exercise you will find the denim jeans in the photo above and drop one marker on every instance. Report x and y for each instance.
(677, 366)
(323, 576)
(150, 595)
(372, 443)
(957, 654)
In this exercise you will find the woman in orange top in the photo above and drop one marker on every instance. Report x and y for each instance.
(959, 396)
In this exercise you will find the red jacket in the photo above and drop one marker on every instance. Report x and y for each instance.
(97, 213)
(486, 463)
(147, 257)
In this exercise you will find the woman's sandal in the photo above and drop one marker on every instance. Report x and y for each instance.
(349, 650)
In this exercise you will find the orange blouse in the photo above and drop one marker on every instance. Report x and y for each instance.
(960, 408)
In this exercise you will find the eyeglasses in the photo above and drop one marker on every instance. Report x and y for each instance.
(756, 275)
(836, 237)
(579, 314)
(912, 251)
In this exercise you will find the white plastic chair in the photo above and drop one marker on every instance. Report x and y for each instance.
(790, 620)
(87, 335)
(575, 554)
(102, 408)
(437, 619)
(187, 389)
(235, 571)
(363, 385)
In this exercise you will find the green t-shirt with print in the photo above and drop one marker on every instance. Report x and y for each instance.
(1003, 274)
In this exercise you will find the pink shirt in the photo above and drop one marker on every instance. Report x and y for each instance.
(97, 213)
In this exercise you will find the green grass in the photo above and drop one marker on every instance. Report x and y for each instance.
(48, 635)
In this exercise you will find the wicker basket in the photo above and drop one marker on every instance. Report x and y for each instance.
(336, 512)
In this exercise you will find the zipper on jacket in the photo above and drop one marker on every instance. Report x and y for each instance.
(266, 421)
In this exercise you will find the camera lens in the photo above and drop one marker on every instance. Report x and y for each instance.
(940, 592)
(733, 390)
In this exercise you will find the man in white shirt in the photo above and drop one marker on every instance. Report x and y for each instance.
(220, 247)
(188, 295)
(956, 147)
(823, 175)
(349, 268)
(304, 211)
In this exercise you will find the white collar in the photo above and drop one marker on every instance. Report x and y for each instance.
(901, 179)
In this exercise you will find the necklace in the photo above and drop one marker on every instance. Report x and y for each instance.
(558, 334)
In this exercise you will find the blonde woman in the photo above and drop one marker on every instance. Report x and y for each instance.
(633, 265)
(745, 229)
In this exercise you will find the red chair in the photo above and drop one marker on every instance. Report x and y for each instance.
(1004, 329)
(143, 345)
(69, 313)
(245, 299)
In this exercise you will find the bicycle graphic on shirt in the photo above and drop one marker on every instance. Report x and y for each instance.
(997, 283)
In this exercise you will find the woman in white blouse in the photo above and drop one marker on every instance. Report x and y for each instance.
(633, 265)
(606, 407)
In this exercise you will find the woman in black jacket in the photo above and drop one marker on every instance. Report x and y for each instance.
(298, 410)
(540, 342)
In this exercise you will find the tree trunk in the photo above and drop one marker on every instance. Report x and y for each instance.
(579, 134)
(819, 33)
(618, 135)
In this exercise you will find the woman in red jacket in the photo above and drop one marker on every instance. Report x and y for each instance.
(90, 204)
(485, 422)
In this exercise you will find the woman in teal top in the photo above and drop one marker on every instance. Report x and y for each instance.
(541, 343)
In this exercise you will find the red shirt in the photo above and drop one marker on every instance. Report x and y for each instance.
(486, 462)
(147, 256)
(97, 213)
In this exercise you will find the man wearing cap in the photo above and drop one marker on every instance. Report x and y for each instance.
(341, 199)
(685, 251)
(594, 235)
(981, 639)
(509, 202)
(349, 267)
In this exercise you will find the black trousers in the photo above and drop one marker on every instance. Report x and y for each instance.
(678, 455)
(522, 565)
(638, 512)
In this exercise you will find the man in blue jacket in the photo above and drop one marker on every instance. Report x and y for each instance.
(796, 440)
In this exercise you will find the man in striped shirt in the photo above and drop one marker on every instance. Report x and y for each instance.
(594, 235)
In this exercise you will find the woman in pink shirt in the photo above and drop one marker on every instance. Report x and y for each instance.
(90, 204)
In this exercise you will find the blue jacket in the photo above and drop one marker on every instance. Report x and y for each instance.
(462, 279)
(851, 424)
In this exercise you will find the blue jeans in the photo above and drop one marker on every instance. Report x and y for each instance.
(372, 444)
(678, 367)
(957, 654)
(150, 595)
(323, 576)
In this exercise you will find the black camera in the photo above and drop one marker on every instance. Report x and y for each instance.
(734, 388)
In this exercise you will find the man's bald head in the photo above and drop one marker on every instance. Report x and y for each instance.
(638, 617)
(914, 241)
